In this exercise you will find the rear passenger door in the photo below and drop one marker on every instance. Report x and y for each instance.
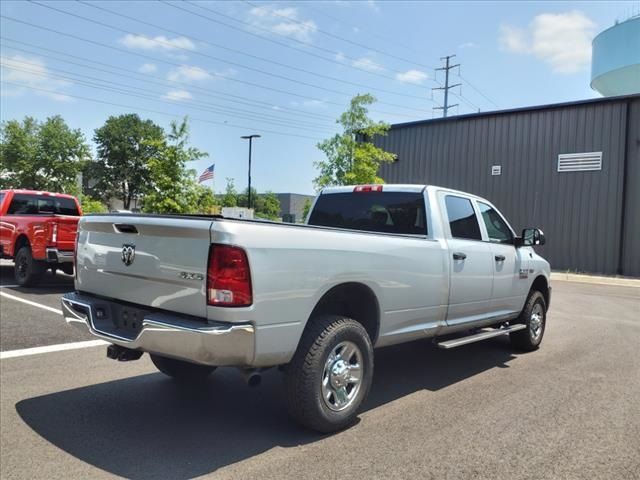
(471, 261)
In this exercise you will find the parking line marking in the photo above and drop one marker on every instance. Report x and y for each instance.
(29, 302)
(51, 348)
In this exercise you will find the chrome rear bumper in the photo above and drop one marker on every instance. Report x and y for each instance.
(164, 333)
(59, 256)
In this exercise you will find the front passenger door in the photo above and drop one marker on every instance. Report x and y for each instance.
(471, 263)
(509, 289)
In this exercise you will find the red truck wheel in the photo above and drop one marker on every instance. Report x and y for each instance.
(27, 271)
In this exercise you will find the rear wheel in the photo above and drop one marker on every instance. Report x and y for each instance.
(180, 370)
(534, 316)
(27, 270)
(330, 374)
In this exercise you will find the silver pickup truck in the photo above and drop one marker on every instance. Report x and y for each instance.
(375, 265)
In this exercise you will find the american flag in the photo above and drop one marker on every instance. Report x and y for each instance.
(207, 174)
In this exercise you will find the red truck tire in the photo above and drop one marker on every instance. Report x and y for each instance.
(27, 271)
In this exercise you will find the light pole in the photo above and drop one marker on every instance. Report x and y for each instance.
(250, 138)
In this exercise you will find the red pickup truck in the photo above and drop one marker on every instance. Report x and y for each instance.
(38, 231)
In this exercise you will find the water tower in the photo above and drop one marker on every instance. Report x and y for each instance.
(615, 64)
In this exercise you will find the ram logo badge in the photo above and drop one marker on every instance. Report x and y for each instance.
(128, 254)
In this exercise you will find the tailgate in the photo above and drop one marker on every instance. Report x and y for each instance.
(66, 232)
(159, 262)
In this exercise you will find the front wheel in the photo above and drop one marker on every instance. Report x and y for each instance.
(27, 270)
(330, 374)
(181, 371)
(534, 316)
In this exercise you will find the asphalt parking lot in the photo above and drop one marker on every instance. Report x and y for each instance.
(570, 410)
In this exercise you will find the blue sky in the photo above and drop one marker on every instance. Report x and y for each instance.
(286, 70)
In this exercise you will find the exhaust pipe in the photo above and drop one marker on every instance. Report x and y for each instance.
(122, 354)
(252, 377)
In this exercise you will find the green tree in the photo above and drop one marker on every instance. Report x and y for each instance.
(351, 157)
(172, 187)
(230, 198)
(126, 145)
(306, 209)
(265, 205)
(41, 155)
(91, 205)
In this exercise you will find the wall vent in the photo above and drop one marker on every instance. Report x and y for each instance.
(579, 162)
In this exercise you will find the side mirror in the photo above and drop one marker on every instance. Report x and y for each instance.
(531, 237)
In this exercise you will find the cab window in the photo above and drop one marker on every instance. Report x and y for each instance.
(497, 228)
(462, 218)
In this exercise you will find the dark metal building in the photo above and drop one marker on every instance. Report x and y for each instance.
(572, 169)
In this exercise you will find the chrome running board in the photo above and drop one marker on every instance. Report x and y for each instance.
(482, 335)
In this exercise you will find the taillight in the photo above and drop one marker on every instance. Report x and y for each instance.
(367, 188)
(228, 277)
(54, 233)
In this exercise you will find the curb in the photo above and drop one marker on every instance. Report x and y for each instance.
(575, 277)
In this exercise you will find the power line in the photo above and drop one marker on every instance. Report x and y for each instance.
(135, 92)
(240, 52)
(306, 45)
(387, 39)
(218, 59)
(162, 60)
(130, 107)
(165, 83)
(347, 40)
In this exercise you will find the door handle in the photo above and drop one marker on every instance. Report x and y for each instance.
(500, 258)
(459, 256)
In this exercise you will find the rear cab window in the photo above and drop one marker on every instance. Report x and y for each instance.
(462, 218)
(29, 204)
(383, 212)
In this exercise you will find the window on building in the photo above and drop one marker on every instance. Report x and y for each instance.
(462, 218)
(497, 228)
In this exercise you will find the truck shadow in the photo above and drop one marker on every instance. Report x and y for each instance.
(148, 427)
(59, 283)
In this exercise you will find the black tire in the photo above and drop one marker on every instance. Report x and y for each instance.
(180, 370)
(530, 338)
(325, 336)
(27, 271)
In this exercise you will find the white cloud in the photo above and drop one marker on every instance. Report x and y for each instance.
(188, 73)
(283, 21)
(309, 104)
(468, 45)
(563, 40)
(340, 57)
(148, 68)
(159, 42)
(177, 95)
(416, 77)
(30, 72)
(366, 63)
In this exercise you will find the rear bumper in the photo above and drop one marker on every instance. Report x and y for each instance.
(165, 333)
(53, 255)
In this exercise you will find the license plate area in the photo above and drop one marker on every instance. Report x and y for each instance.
(121, 320)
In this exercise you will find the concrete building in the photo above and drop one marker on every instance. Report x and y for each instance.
(572, 169)
(292, 206)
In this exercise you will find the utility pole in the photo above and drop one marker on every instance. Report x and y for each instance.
(445, 108)
(250, 138)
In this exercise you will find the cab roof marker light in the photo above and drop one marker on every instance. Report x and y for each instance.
(367, 188)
